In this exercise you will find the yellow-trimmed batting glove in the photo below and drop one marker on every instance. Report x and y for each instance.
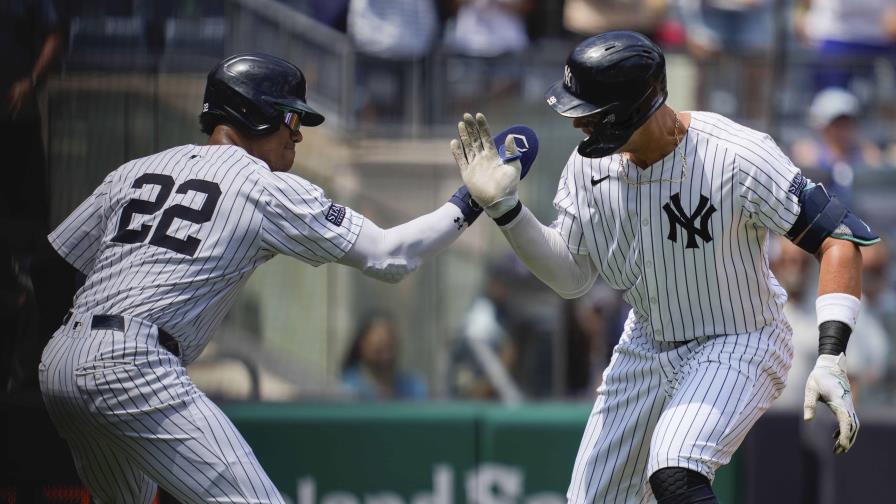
(828, 383)
(491, 180)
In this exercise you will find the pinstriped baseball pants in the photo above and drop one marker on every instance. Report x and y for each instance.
(133, 419)
(675, 405)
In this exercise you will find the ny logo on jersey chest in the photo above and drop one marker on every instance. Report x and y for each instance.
(678, 217)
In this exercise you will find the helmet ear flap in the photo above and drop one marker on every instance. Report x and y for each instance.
(225, 105)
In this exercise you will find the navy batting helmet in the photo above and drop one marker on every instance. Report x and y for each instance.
(619, 77)
(252, 91)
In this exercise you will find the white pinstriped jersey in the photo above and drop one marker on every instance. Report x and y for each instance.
(690, 255)
(171, 238)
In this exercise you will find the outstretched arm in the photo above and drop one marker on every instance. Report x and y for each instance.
(391, 254)
(493, 183)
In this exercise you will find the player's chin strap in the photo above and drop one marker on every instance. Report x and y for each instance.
(821, 216)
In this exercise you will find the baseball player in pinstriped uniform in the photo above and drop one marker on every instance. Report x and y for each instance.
(166, 242)
(675, 210)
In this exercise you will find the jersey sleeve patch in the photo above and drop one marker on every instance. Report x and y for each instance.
(335, 214)
(302, 222)
(797, 185)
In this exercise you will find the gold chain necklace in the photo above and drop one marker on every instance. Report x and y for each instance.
(684, 163)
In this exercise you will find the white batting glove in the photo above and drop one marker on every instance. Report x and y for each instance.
(490, 180)
(828, 383)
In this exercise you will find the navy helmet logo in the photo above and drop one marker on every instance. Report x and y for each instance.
(568, 80)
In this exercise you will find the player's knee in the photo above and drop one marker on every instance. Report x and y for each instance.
(678, 485)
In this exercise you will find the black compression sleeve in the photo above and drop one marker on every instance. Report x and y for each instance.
(833, 336)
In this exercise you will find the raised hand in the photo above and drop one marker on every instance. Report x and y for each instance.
(491, 180)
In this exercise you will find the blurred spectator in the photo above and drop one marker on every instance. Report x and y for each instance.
(370, 369)
(879, 301)
(392, 37)
(504, 349)
(838, 149)
(333, 13)
(36, 284)
(847, 35)
(486, 39)
(31, 41)
(488, 28)
(590, 321)
(588, 17)
(868, 349)
(484, 353)
(736, 35)
(877, 287)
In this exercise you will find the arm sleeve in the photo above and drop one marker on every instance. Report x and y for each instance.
(300, 221)
(391, 254)
(545, 252)
(80, 235)
(568, 224)
(769, 185)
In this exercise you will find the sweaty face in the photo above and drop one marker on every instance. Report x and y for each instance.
(842, 131)
(278, 149)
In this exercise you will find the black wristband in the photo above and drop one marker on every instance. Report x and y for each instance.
(508, 216)
(833, 336)
(467, 205)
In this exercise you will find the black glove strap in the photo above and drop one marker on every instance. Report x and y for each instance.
(508, 216)
(833, 336)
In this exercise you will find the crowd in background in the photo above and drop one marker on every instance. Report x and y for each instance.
(503, 349)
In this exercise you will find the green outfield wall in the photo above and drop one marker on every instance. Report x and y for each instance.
(426, 453)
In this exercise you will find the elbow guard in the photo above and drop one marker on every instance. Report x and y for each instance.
(821, 216)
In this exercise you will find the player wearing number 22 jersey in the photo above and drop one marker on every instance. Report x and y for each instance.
(166, 241)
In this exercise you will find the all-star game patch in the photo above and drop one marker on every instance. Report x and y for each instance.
(336, 214)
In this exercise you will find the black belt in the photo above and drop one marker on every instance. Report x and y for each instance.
(116, 323)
